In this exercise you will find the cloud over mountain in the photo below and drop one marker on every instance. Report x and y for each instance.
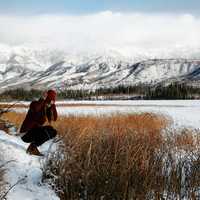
(127, 33)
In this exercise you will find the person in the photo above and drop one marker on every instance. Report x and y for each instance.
(32, 127)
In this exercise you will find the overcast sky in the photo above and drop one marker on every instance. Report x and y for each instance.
(123, 25)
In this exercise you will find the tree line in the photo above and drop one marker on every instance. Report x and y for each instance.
(171, 91)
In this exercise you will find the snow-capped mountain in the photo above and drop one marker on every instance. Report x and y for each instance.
(42, 69)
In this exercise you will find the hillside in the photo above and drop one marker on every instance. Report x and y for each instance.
(41, 69)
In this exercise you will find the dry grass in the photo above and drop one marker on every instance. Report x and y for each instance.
(187, 140)
(122, 157)
(14, 105)
(21, 105)
(102, 155)
(14, 118)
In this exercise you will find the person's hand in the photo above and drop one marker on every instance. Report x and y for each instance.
(52, 102)
(45, 95)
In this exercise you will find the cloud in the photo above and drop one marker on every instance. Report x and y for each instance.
(124, 32)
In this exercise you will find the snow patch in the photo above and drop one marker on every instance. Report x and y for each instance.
(24, 169)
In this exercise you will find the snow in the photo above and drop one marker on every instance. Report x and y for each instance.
(59, 69)
(24, 169)
(183, 113)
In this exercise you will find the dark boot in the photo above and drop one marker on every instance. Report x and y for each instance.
(33, 150)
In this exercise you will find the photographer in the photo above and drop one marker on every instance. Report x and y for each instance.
(32, 127)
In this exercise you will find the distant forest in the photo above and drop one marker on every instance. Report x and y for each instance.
(171, 91)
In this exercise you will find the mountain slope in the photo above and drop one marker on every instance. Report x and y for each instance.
(44, 69)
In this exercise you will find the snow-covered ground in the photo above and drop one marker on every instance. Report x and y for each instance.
(184, 113)
(25, 170)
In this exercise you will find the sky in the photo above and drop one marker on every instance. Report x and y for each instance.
(125, 26)
(92, 6)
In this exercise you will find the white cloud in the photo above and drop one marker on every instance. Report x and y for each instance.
(126, 33)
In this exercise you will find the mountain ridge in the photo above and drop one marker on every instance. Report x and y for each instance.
(60, 70)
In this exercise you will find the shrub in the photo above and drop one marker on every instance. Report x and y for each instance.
(124, 157)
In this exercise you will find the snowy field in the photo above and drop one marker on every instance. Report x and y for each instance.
(184, 113)
(24, 170)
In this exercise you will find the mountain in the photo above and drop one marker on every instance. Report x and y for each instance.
(42, 69)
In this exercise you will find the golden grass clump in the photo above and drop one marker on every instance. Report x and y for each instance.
(14, 118)
(122, 157)
(186, 140)
(108, 156)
